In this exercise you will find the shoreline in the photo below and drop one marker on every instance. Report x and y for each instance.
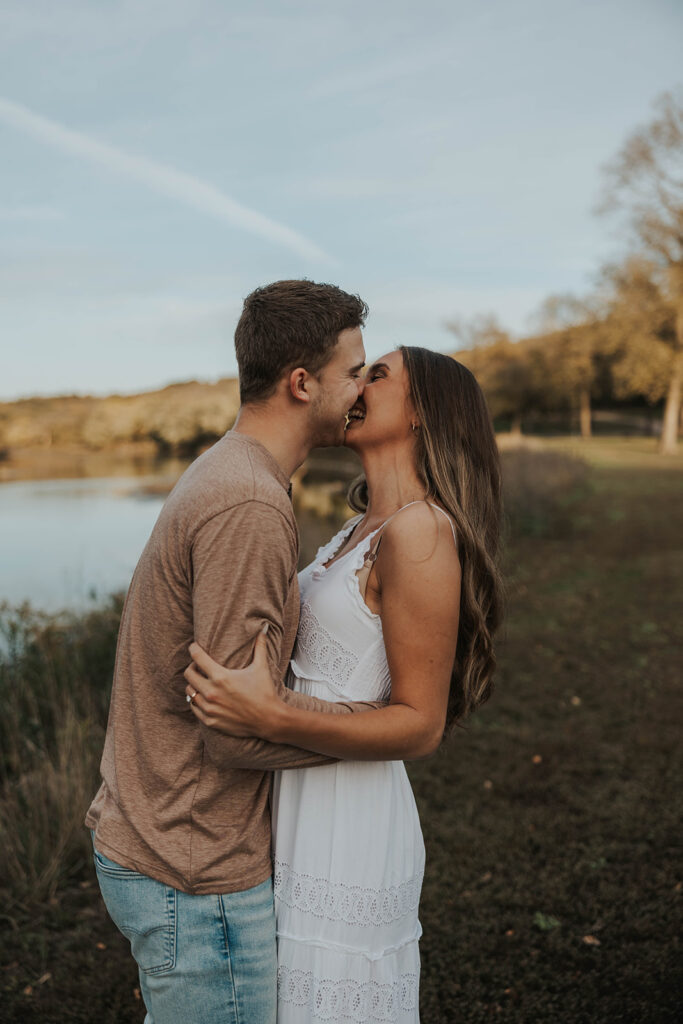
(75, 462)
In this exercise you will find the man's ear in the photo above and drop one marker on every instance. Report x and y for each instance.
(299, 384)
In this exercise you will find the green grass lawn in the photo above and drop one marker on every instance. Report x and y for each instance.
(552, 822)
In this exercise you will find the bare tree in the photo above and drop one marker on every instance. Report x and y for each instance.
(640, 330)
(478, 332)
(572, 330)
(645, 183)
(506, 370)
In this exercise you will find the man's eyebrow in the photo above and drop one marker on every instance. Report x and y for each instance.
(358, 368)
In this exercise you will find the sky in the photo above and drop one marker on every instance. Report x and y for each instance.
(159, 159)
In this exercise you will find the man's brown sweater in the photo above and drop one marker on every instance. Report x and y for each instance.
(180, 802)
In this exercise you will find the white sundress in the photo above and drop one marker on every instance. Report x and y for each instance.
(347, 845)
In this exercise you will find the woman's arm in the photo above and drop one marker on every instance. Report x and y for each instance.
(418, 573)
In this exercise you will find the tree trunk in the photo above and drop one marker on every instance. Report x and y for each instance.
(585, 411)
(669, 440)
(516, 425)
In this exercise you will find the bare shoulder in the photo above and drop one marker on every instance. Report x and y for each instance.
(421, 533)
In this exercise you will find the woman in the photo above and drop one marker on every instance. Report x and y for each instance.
(401, 605)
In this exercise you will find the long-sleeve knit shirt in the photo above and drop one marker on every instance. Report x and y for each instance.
(179, 802)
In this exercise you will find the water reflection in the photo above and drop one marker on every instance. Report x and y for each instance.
(73, 525)
(65, 543)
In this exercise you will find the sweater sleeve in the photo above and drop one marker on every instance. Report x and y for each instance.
(243, 568)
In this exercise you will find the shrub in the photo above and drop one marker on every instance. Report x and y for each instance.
(55, 679)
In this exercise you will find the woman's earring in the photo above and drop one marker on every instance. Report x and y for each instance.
(414, 426)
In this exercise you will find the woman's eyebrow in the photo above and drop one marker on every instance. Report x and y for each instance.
(378, 366)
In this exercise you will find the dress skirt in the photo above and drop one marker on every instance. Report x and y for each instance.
(348, 868)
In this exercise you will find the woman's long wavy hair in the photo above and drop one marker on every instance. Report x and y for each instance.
(458, 462)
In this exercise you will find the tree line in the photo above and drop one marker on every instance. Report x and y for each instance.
(623, 340)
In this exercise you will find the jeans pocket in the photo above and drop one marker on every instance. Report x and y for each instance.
(144, 910)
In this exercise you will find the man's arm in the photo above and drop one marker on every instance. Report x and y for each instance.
(243, 567)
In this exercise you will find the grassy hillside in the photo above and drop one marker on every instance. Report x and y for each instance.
(551, 822)
(179, 418)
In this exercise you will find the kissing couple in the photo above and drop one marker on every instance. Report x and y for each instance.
(255, 835)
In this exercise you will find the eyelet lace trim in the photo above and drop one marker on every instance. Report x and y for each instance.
(336, 901)
(327, 551)
(326, 654)
(349, 1000)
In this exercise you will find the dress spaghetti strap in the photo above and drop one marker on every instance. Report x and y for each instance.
(371, 556)
(450, 521)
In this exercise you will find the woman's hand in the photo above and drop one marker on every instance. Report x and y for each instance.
(239, 702)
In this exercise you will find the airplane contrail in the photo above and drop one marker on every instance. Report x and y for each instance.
(159, 177)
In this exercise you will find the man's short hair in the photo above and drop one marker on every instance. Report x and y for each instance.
(288, 324)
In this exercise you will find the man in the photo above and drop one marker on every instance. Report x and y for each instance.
(181, 824)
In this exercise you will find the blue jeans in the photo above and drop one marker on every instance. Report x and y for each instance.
(202, 959)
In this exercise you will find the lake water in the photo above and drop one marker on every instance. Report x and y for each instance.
(68, 543)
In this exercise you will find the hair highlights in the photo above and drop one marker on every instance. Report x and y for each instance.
(457, 459)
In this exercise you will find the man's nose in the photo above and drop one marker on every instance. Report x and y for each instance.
(360, 384)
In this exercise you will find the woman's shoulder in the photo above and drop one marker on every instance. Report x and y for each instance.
(421, 530)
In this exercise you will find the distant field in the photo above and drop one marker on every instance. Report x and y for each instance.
(552, 821)
(616, 452)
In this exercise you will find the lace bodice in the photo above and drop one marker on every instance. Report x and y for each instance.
(340, 640)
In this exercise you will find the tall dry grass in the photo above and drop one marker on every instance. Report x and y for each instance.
(55, 679)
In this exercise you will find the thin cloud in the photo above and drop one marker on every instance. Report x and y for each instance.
(160, 178)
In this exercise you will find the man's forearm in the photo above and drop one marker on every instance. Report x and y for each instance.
(258, 755)
(266, 755)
